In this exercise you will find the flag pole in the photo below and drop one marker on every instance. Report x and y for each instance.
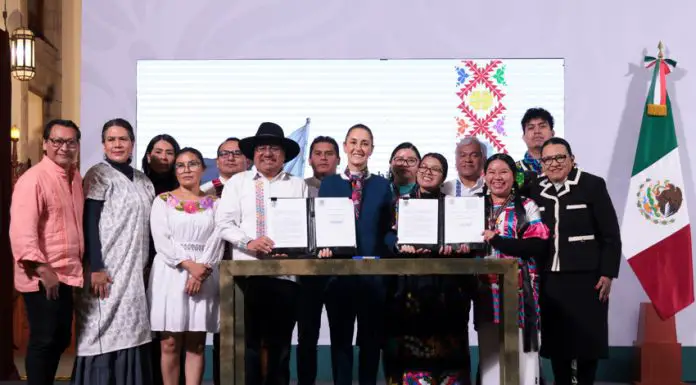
(658, 106)
(660, 48)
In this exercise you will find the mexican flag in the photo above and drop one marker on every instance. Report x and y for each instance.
(655, 232)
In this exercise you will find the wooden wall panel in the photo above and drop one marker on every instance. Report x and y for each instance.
(7, 367)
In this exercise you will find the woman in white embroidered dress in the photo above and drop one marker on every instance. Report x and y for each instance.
(183, 291)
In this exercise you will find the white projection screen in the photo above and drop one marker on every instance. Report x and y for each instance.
(427, 102)
(430, 103)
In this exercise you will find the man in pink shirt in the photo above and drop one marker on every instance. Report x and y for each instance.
(47, 244)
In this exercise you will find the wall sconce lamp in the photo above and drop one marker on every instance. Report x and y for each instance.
(23, 58)
(14, 134)
(14, 138)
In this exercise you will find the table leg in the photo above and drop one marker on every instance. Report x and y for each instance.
(239, 340)
(509, 341)
(227, 369)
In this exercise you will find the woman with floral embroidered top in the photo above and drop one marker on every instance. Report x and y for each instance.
(513, 230)
(183, 290)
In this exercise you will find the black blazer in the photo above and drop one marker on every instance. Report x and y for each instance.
(583, 223)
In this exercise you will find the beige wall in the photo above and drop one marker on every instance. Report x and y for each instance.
(71, 59)
(47, 82)
(57, 80)
(34, 150)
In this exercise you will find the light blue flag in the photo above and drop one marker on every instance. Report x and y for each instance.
(296, 166)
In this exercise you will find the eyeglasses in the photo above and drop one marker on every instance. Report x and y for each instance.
(192, 165)
(432, 170)
(272, 148)
(231, 154)
(406, 161)
(59, 142)
(548, 160)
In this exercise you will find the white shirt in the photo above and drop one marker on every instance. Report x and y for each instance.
(208, 188)
(236, 213)
(456, 188)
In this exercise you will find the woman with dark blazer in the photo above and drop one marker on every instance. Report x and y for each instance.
(361, 297)
(585, 258)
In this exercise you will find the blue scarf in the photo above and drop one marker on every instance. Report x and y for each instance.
(531, 163)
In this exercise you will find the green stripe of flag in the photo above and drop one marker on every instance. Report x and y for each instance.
(657, 136)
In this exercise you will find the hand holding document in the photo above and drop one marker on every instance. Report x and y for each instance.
(262, 244)
(408, 249)
(325, 253)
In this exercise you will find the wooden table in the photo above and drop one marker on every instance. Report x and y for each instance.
(232, 298)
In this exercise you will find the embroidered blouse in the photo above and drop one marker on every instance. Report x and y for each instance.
(508, 245)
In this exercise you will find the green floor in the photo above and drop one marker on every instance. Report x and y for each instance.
(616, 369)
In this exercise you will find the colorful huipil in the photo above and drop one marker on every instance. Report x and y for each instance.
(506, 225)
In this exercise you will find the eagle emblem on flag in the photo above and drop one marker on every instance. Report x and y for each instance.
(659, 200)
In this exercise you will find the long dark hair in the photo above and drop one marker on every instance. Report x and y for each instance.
(167, 138)
(162, 182)
(517, 198)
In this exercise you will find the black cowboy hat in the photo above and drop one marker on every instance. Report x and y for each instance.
(269, 133)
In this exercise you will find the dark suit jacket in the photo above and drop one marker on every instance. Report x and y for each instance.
(583, 223)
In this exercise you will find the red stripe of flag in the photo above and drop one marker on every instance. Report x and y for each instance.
(665, 270)
(664, 70)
